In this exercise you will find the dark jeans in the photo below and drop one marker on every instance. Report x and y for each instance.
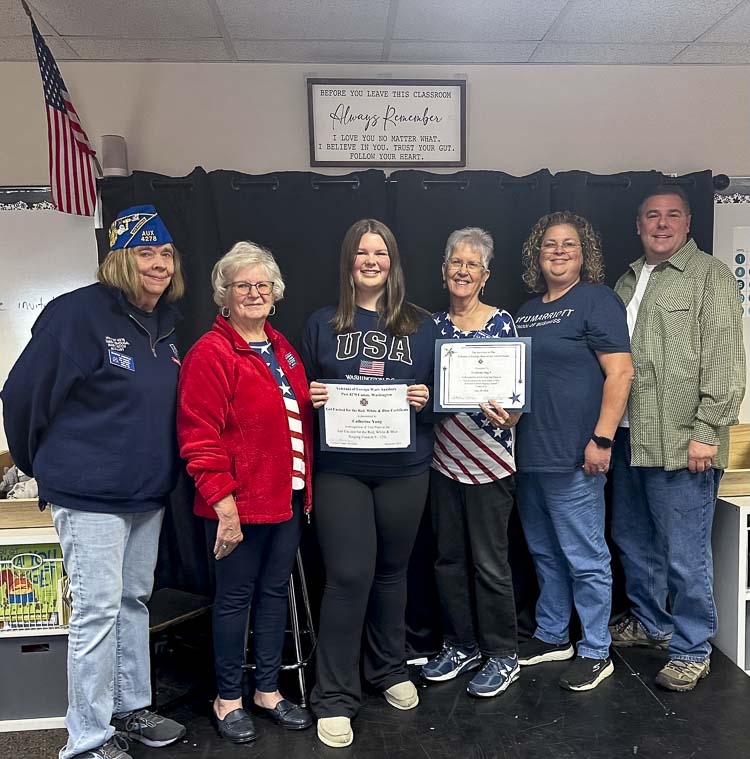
(366, 529)
(256, 571)
(472, 571)
(661, 523)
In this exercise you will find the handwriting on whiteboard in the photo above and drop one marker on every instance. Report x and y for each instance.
(33, 303)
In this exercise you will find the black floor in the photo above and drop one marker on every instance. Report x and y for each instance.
(626, 716)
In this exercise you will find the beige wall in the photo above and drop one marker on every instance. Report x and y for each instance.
(253, 117)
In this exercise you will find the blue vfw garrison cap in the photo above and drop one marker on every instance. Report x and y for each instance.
(139, 225)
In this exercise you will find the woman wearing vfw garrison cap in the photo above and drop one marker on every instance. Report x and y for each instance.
(89, 409)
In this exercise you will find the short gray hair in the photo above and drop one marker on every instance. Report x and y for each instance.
(244, 254)
(476, 238)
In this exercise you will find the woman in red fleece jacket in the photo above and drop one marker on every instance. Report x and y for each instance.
(244, 423)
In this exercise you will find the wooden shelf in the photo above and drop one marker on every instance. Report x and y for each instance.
(735, 482)
(20, 512)
(27, 535)
(736, 479)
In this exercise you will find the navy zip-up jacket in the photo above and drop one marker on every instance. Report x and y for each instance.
(89, 407)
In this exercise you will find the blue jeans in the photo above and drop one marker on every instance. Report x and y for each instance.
(110, 559)
(562, 514)
(661, 524)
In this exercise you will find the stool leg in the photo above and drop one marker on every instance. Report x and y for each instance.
(152, 666)
(297, 641)
(306, 601)
(245, 663)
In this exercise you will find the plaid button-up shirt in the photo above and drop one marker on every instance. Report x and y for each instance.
(688, 356)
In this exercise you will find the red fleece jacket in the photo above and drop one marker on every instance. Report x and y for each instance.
(232, 425)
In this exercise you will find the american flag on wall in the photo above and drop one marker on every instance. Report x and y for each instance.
(70, 154)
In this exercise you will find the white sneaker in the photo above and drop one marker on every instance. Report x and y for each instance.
(402, 695)
(335, 731)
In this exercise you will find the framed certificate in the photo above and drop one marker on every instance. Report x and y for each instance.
(367, 417)
(471, 371)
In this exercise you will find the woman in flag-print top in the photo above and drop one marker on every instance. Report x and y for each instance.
(368, 505)
(471, 494)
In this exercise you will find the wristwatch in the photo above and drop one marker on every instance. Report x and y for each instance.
(601, 441)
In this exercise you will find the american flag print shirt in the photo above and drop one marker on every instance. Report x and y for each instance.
(468, 448)
(294, 418)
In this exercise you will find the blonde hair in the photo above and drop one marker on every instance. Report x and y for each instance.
(244, 254)
(119, 270)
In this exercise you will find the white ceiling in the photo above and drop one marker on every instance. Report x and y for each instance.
(391, 31)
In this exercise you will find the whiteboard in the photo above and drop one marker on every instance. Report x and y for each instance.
(731, 239)
(42, 255)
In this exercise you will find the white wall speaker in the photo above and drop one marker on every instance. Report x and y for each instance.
(114, 156)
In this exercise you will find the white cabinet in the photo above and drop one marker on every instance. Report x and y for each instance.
(732, 578)
(33, 653)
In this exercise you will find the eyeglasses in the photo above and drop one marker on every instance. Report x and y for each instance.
(471, 266)
(568, 246)
(244, 288)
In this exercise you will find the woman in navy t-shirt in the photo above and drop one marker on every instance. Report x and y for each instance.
(581, 375)
(368, 506)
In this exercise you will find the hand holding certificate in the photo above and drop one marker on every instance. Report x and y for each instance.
(473, 371)
(364, 417)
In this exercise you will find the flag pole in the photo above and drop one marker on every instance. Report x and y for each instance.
(31, 18)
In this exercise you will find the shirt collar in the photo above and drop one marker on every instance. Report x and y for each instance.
(678, 260)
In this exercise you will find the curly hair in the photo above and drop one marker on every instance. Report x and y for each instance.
(592, 269)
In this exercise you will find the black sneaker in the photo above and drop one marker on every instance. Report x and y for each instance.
(149, 728)
(586, 674)
(535, 651)
(115, 748)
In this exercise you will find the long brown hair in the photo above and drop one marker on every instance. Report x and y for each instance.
(398, 315)
(592, 268)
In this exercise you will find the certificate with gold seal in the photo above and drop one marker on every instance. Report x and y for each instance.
(367, 417)
(471, 371)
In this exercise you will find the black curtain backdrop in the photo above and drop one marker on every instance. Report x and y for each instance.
(426, 208)
(302, 217)
(610, 204)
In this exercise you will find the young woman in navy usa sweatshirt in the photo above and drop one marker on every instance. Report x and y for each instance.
(368, 505)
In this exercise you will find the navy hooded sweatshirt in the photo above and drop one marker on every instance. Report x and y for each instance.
(89, 407)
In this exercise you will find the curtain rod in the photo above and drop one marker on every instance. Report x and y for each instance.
(9, 189)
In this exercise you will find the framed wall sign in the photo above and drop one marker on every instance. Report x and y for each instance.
(387, 122)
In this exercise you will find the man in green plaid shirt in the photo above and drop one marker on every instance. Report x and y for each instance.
(685, 322)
